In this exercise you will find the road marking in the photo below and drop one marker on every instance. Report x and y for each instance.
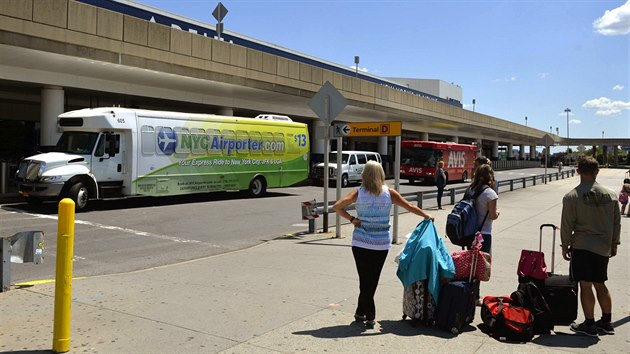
(121, 229)
(43, 281)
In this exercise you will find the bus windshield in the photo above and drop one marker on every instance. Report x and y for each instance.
(332, 157)
(76, 143)
(420, 157)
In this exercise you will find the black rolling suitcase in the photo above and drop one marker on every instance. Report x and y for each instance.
(560, 292)
(456, 306)
(418, 304)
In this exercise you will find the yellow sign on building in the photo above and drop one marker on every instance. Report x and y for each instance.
(367, 129)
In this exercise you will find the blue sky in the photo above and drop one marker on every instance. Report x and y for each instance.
(516, 58)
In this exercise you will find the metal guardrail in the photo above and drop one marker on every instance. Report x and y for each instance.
(421, 196)
(23, 247)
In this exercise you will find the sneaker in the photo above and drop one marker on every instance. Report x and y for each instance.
(606, 328)
(370, 324)
(584, 329)
(359, 318)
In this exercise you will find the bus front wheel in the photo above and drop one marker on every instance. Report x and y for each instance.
(257, 187)
(80, 195)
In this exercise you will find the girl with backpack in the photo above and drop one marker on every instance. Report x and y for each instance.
(483, 184)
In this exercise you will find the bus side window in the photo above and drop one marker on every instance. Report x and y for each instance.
(229, 142)
(183, 141)
(199, 141)
(255, 147)
(267, 142)
(147, 140)
(278, 139)
(242, 135)
(214, 136)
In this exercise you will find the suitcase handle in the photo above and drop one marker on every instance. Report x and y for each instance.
(553, 245)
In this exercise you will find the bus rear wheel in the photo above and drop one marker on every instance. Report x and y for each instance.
(257, 187)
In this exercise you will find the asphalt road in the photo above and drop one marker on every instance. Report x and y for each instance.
(137, 233)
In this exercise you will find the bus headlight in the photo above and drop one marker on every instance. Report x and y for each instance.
(50, 179)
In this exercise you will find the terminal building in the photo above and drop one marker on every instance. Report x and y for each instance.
(62, 55)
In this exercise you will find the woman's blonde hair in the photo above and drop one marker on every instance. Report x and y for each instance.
(484, 174)
(373, 177)
(440, 164)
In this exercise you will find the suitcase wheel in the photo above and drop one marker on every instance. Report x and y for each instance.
(454, 330)
(404, 317)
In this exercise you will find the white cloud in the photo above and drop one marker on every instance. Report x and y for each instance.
(508, 79)
(543, 76)
(575, 121)
(617, 88)
(615, 22)
(604, 106)
(363, 70)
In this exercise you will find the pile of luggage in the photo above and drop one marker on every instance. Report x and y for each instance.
(541, 300)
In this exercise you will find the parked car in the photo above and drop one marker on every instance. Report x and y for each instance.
(352, 164)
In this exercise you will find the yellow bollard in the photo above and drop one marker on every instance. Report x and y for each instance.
(63, 279)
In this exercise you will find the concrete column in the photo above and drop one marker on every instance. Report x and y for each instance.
(521, 151)
(616, 156)
(317, 145)
(479, 142)
(226, 111)
(510, 147)
(604, 154)
(382, 149)
(495, 150)
(455, 139)
(532, 152)
(595, 151)
(51, 107)
(424, 136)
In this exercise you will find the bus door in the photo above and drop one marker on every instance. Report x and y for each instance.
(107, 160)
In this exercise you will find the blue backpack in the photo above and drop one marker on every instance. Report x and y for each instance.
(461, 222)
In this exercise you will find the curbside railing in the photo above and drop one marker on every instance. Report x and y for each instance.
(420, 196)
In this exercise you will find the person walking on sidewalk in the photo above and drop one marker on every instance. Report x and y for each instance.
(440, 182)
(371, 237)
(590, 230)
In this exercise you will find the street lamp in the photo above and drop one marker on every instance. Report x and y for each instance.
(602, 134)
(557, 131)
(567, 111)
(550, 127)
(525, 120)
(356, 64)
(474, 101)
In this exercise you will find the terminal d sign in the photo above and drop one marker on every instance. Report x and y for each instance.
(367, 129)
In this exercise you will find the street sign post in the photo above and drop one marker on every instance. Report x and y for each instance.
(219, 14)
(327, 104)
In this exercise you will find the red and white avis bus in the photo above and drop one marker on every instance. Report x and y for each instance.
(419, 159)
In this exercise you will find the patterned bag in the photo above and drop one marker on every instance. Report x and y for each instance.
(473, 262)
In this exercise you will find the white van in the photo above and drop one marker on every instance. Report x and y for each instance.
(352, 163)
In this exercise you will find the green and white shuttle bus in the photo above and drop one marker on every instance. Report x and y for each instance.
(114, 152)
